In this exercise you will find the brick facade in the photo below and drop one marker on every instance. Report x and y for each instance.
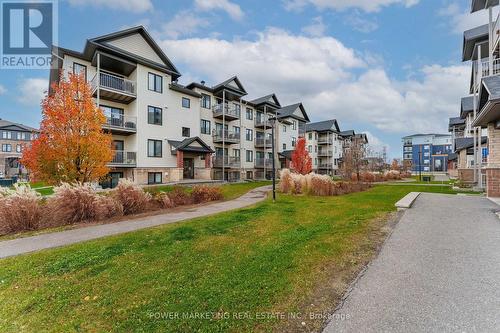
(466, 175)
(493, 182)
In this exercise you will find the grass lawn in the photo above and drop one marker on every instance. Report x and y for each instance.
(265, 258)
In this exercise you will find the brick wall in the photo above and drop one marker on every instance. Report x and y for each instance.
(466, 175)
(493, 182)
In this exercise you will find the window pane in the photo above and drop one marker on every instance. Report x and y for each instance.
(151, 81)
(159, 83)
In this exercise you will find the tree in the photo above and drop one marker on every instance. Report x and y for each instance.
(395, 165)
(353, 158)
(301, 161)
(72, 146)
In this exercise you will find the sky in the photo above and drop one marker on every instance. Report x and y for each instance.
(389, 68)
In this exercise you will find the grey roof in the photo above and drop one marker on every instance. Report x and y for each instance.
(184, 145)
(423, 134)
(288, 111)
(225, 84)
(323, 126)
(180, 88)
(452, 156)
(265, 100)
(471, 38)
(467, 106)
(348, 133)
(465, 143)
(477, 5)
(286, 154)
(456, 121)
(492, 83)
(10, 125)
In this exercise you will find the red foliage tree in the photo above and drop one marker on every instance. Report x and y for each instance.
(72, 146)
(301, 161)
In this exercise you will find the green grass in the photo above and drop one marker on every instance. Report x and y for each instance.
(269, 257)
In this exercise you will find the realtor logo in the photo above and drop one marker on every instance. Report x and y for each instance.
(28, 33)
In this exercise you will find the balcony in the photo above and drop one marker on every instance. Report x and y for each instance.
(229, 162)
(496, 32)
(263, 143)
(262, 122)
(263, 163)
(325, 153)
(484, 71)
(122, 158)
(325, 141)
(229, 137)
(327, 166)
(229, 112)
(114, 88)
(120, 125)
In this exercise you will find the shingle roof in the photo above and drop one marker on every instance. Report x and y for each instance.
(286, 154)
(467, 105)
(471, 37)
(465, 143)
(180, 88)
(492, 83)
(347, 133)
(184, 145)
(478, 5)
(265, 99)
(6, 123)
(322, 126)
(288, 111)
(455, 121)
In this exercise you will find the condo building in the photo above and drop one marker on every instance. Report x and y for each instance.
(164, 131)
(427, 152)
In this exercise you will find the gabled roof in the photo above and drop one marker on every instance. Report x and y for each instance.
(467, 106)
(471, 38)
(270, 100)
(232, 83)
(103, 44)
(286, 154)
(180, 88)
(362, 136)
(478, 5)
(347, 133)
(290, 111)
(456, 121)
(11, 126)
(466, 143)
(186, 145)
(323, 126)
(489, 101)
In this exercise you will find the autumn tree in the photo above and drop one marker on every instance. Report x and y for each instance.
(72, 146)
(395, 165)
(301, 160)
(353, 159)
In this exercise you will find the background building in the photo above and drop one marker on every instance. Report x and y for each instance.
(427, 152)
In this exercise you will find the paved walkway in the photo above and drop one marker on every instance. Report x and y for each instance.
(438, 272)
(45, 241)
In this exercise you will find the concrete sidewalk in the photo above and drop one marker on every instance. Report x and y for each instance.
(46, 241)
(438, 272)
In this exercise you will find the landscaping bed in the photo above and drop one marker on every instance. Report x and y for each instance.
(295, 256)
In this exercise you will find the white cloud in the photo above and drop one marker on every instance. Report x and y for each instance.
(3, 90)
(365, 5)
(460, 19)
(32, 91)
(232, 9)
(316, 29)
(332, 80)
(138, 6)
(360, 23)
(184, 23)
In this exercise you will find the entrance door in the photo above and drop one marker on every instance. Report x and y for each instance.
(188, 168)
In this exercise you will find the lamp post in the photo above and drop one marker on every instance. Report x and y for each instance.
(273, 123)
(420, 165)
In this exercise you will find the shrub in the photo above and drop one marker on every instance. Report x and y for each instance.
(287, 184)
(180, 197)
(132, 197)
(73, 203)
(206, 193)
(20, 210)
(163, 201)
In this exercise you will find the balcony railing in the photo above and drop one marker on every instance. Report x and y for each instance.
(229, 161)
(263, 162)
(115, 83)
(325, 140)
(124, 158)
(227, 136)
(229, 111)
(261, 142)
(325, 153)
(262, 121)
(117, 121)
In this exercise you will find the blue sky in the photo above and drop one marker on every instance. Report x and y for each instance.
(387, 67)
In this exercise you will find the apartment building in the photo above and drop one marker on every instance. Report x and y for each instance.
(325, 145)
(427, 152)
(14, 138)
(164, 131)
(481, 46)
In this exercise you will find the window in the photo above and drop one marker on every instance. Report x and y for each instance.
(205, 101)
(155, 82)
(186, 102)
(249, 114)
(78, 69)
(154, 148)
(310, 136)
(6, 135)
(237, 131)
(249, 135)
(316, 149)
(186, 132)
(205, 126)
(19, 148)
(154, 115)
(294, 141)
(284, 146)
(236, 153)
(310, 148)
(284, 128)
(154, 178)
(7, 148)
(249, 155)
(294, 125)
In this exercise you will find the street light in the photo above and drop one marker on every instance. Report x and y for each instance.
(420, 165)
(273, 122)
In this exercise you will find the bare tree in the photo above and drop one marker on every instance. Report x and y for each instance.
(353, 159)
